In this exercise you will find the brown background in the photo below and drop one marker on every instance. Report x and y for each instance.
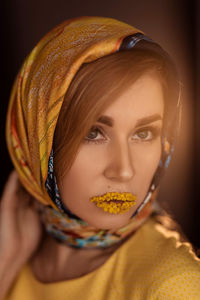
(172, 23)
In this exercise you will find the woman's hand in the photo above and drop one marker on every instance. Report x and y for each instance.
(20, 230)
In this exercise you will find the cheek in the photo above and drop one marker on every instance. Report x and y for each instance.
(87, 165)
(82, 176)
(147, 161)
(150, 157)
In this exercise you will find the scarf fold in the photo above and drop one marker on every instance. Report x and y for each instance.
(33, 110)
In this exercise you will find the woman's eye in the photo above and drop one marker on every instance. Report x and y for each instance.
(144, 135)
(93, 134)
(149, 133)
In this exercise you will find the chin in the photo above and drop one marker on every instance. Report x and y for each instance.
(108, 221)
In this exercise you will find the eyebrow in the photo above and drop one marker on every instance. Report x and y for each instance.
(144, 121)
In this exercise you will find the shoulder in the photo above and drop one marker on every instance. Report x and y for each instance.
(166, 243)
(178, 265)
(161, 264)
(169, 245)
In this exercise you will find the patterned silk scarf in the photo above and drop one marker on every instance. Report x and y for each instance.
(33, 110)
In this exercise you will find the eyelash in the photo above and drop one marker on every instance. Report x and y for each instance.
(155, 130)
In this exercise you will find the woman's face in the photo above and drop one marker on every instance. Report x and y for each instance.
(120, 154)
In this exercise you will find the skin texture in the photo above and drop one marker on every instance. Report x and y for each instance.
(122, 158)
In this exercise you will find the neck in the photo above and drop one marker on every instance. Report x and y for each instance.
(55, 261)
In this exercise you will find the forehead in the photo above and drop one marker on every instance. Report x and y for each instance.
(144, 97)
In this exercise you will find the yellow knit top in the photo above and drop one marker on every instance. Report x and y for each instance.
(152, 264)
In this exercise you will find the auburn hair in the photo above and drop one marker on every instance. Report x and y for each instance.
(95, 86)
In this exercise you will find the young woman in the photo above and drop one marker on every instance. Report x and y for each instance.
(91, 127)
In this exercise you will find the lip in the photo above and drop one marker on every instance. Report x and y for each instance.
(115, 202)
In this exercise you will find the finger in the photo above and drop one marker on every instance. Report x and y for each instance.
(7, 215)
(8, 198)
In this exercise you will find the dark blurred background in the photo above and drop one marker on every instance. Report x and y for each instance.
(172, 23)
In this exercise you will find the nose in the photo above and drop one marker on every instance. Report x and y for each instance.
(120, 163)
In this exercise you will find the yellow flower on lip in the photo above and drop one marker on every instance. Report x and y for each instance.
(109, 196)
